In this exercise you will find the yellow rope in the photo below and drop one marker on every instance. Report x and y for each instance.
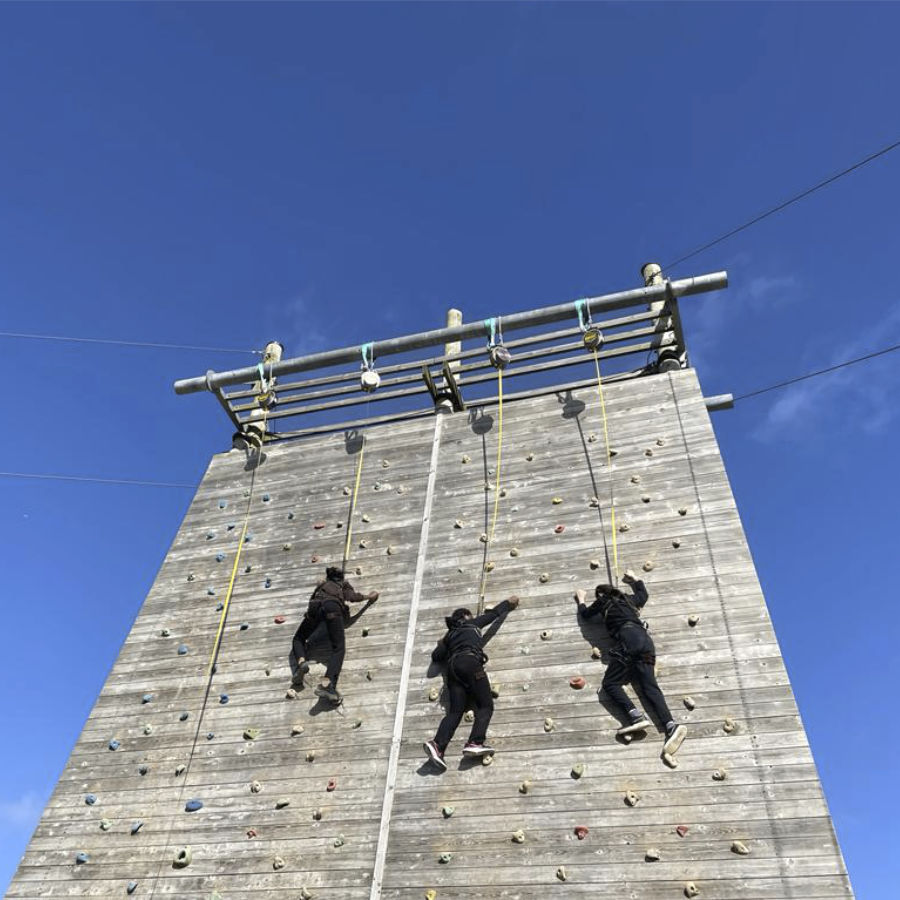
(490, 537)
(612, 504)
(359, 466)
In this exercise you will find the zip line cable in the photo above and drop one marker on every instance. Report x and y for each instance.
(490, 534)
(834, 368)
(771, 212)
(110, 342)
(612, 503)
(90, 480)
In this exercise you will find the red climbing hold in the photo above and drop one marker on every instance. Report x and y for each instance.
(318, 525)
(280, 620)
(581, 832)
(332, 784)
(682, 830)
(577, 682)
(560, 529)
(251, 832)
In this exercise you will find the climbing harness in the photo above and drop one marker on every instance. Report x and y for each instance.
(370, 379)
(359, 465)
(500, 358)
(592, 338)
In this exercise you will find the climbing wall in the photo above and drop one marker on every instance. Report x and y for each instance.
(563, 808)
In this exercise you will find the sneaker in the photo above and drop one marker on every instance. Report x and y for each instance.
(640, 724)
(302, 669)
(435, 755)
(472, 749)
(329, 692)
(674, 739)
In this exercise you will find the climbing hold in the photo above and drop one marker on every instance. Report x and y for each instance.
(220, 557)
(210, 735)
(689, 703)
(90, 799)
(183, 858)
(561, 873)
(210, 592)
(728, 725)
(447, 811)
(296, 729)
(357, 723)
(529, 457)
(280, 620)
(430, 894)
(266, 498)
(290, 515)
(332, 784)
(136, 826)
(549, 725)
(131, 887)
(445, 858)
(581, 832)
(278, 863)
(182, 649)
(317, 814)
(143, 770)
(592, 438)
(514, 552)
(346, 490)
(693, 619)
(369, 674)
(681, 830)
(596, 653)
(483, 538)
(645, 498)
(457, 523)
(184, 716)
(113, 744)
(165, 632)
(282, 802)
(266, 584)
(469, 716)
(676, 543)
(557, 500)
(210, 535)
(740, 848)
(635, 479)
(252, 833)
(255, 787)
(433, 694)
(385, 464)
(652, 855)
(105, 824)
(245, 625)
(223, 504)
(489, 566)
(495, 691)
(682, 511)
(339, 841)
(465, 457)
(631, 798)
(559, 529)
(287, 545)
(363, 544)
(193, 805)
(594, 503)
(488, 759)
(577, 682)
(547, 634)
(390, 550)
(223, 699)
(310, 755)
(544, 577)
(691, 889)
(648, 452)
(594, 563)
(305, 894)
(365, 632)
(180, 769)
(719, 775)
(146, 698)
(220, 607)
(290, 694)
(318, 525)
(623, 527)
(314, 558)
(660, 442)
(230, 526)
(190, 576)
(518, 837)
(577, 770)
(81, 858)
(251, 734)
(365, 517)
(647, 566)
(525, 787)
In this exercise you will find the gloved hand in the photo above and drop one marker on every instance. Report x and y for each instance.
(629, 577)
(580, 596)
(512, 601)
(372, 596)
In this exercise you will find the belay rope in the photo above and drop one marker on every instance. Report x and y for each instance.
(359, 465)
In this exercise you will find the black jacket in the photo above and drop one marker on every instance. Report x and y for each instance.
(466, 636)
(618, 611)
(333, 594)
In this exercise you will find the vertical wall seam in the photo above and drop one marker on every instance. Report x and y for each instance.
(394, 758)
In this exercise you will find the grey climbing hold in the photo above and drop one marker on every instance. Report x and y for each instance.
(266, 498)
(148, 729)
(182, 649)
(562, 874)
(433, 694)
(647, 566)
(549, 725)
(529, 457)
(136, 826)
(210, 535)
(339, 841)
(624, 526)
(447, 811)
(310, 755)
(220, 607)
(105, 824)
(317, 814)
(184, 717)
(248, 570)
(219, 557)
(255, 787)
(183, 858)
(719, 775)
(632, 798)
(90, 799)
(305, 894)
(282, 802)
(385, 464)
(296, 729)
(635, 479)
(518, 837)
(131, 887)
(165, 632)
(693, 619)
(223, 504)
(689, 703)
(369, 674)
(113, 744)
(190, 576)
(514, 552)
(251, 734)
(287, 545)
(210, 735)
(728, 725)
(544, 577)
(577, 770)
(290, 515)
(525, 787)
(180, 769)
(444, 858)
(143, 770)
(278, 863)
(652, 855)
(146, 698)
(230, 526)
(691, 889)
(81, 858)
(193, 805)
(223, 699)
(547, 634)
(469, 716)
(244, 626)
(594, 563)
(390, 550)
(248, 537)
(210, 592)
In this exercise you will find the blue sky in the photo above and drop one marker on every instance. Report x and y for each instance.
(224, 174)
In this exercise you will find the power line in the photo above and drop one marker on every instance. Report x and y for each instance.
(143, 344)
(784, 204)
(842, 365)
(166, 484)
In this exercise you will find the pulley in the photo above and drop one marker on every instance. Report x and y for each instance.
(369, 379)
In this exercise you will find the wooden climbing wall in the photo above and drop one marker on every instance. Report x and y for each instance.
(745, 773)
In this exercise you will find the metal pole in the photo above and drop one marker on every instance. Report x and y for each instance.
(605, 303)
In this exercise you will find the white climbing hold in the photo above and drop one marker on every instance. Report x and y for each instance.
(691, 889)
(183, 858)
(693, 619)
(525, 787)
(465, 457)
(255, 787)
(282, 802)
(310, 755)
(518, 837)
(652, 854)
(740, 848)
(635, 479)
(719, 775)
(647, 566)
(624, 527)
(577, 770)
(469, 716)
(457, 523)
(547, 634)
(363, 544)
(433, 694)
(645, 498)
(529, 457)
(660, 442)
(317, 814)
(544, 577)
(594, 563)
(287, 546)
(549, 725)
(180, 769)
(561, 873)
(447, 811)
(278, 863)
(290, 694)
(365, 517)
(592, 438)
(339, 841)
(728, 725)
(596, 653)
(676, 543)
(632, 798)
(514, 552)
(557, 500)
(489, 566)
(689, 703)
(488, 759)
(390, 550)
(296, 729)
(385, 464)
(347, 490)
(305, 894)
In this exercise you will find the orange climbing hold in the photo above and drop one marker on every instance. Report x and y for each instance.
(332, 784)
(581, 832)
(560, 529)
(318, 525)
(280, 620)
(577, 682)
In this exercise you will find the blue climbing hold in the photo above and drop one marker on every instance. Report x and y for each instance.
(220, 606)
(210, 535)
(131, 887)
(182, 649)
(266, 498)
(193, 805)
(223, 504)
(210, 735)
(183, 717)
(113, 744)
(146, 698)
(290, 515)
(223, 699)
(248, 537)
(210, 592)
(81, 858)
(90, 799)
(220, 557)
(143, 770)
(230, 526)
(244, 626)
(268, 583)
(136, 826)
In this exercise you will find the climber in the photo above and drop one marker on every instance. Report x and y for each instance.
(462, 648)
(633, 658)
(329, 605)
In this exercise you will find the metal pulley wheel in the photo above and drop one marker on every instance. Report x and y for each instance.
(592, 338)
(500, 356)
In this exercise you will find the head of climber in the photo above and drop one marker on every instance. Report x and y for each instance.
(458, 617)
(607, 592)
(333, 573)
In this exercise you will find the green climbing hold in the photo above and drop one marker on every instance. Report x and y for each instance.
(105, 824)
(578, 770)
(183, 858)
(251, 734)
(448, 811)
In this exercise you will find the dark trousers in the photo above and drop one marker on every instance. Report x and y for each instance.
(467, 682)
(635, 660)
(333, 617)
